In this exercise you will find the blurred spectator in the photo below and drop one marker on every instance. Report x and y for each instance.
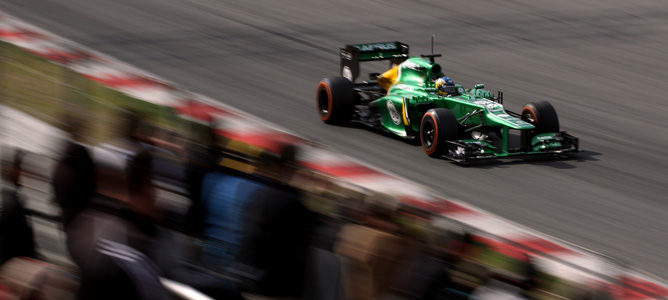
(25, 278)
(202, 159)
(134, 131)
(166, 139)
(225, 196)
(168, 155)
(424, 272)
(111, 159)
(530, 280)
(464, 272)
(372, 250)
(510, 286)
(73, 178)
(441, 269)
(323, 276)
(16, 235)
(279, 230)
(122, 255)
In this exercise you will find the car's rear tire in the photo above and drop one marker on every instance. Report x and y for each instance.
(334, 100)
(437, 126)
(541, 115)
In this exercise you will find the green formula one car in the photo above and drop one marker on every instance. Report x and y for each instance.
(413, 99)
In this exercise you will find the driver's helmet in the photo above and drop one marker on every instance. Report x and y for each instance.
(446, 86)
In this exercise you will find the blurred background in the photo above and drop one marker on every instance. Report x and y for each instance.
(602, 64)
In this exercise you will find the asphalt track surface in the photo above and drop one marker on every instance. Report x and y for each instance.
(603, 65)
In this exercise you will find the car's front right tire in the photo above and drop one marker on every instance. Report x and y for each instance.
(541, 115)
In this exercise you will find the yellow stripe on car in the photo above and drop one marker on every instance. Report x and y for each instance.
(404, 112)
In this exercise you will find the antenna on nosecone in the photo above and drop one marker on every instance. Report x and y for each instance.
(432, 43)
(432, 55)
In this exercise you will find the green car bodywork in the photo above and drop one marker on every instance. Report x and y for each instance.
(483, 124)
(414, 88)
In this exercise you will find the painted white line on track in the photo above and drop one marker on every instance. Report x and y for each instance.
(98, 69)
(494, 226)
(155, 94)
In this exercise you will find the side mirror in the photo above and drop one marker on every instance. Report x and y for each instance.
(479, 86)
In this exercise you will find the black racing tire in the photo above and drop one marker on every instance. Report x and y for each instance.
(437, 126)
(335, 100)
(541, 115)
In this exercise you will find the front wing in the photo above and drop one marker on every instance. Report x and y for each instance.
(464, 151)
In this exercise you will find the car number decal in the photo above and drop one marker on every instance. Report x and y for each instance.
(394, 114)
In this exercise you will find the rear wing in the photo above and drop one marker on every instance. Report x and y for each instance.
(352, 55)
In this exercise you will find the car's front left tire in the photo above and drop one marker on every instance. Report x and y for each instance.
(437, 126)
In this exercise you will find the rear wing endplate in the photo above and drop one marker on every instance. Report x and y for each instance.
(352, 55)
